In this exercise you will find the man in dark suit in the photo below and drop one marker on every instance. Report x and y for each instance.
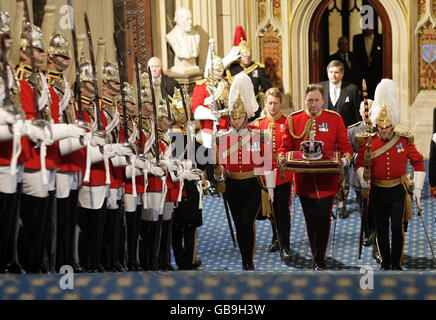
(159, 79)
(348, 59)
(341, 96)
(368, 49)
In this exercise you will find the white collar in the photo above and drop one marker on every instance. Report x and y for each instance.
(335, 85)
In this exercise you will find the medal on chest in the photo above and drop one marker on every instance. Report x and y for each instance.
(323, 127)
(253, 146)
(400, 147)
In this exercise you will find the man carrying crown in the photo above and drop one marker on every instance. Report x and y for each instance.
(255, 70)
(316, 190)
(386, 157)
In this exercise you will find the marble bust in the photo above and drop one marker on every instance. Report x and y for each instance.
(185, 43)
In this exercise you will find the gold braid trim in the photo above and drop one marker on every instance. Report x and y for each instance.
(305, 131)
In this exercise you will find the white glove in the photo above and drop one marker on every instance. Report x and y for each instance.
(97, 140)
(192, 175)
(434, 137)
(232, 56)
(345, 163)
(142, 164)
(363, 183)
(157, 171)
(5, 133)
(109, 150)
(418, 183)
(122, 150)
(95, 154)
(203, 113)
(35, 133)
(6, 117)
(171, 166)
(271, 194)
(63, 130)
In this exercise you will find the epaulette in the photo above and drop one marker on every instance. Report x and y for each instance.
(354, 125)
(295, 112)
(361, 136)
(261, 65)
(406, 134)
(201, 82)
(331, 111)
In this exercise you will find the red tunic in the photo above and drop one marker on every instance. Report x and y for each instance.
(392, 164)
(53, 157)
(76, 161)
(139, 180)
(275, 127)
(198, 96)
(330, 129)
(241, 152)
(117, 174)
(98, 173)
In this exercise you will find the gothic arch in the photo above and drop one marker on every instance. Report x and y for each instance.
(301, 22)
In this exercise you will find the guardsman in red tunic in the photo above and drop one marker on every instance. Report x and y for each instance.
(67, 181)
(241, 160)
(387, 160)
(114, 214)
(9, 177)
(95, 187)
(274, 122)
(316, 190)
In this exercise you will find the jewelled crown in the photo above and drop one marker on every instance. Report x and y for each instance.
(312, 150)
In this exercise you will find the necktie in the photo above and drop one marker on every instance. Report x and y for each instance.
(335, 95)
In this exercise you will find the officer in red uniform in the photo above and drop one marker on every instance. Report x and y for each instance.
(316, 190)
(274, 122)
(240, 156)
(387, 161)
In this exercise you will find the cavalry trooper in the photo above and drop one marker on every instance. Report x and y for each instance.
(68, 177)
(386, 156)
(187, 216)
(11, 165)
(274, 122)
(114, 214)
(209, 104)
(240, 156)
(95, 184)
(254, 69)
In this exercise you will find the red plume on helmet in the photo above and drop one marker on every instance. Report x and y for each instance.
(239, 33)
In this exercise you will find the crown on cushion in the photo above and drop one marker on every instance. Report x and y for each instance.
(312, 150)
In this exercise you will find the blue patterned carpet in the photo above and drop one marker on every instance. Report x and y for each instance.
(220, 276)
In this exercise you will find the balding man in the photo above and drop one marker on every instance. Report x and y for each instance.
(155, 65)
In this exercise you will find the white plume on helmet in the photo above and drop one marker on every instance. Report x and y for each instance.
(386, 95)
(242, 87)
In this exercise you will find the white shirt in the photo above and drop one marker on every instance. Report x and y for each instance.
(335, 91)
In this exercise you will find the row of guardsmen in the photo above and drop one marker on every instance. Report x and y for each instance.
(76, 192)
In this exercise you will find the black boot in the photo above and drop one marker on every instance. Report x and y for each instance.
(145, 244)
(156, 235)
(165, 246)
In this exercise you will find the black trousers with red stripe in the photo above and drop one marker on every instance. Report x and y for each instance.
(317, 216)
